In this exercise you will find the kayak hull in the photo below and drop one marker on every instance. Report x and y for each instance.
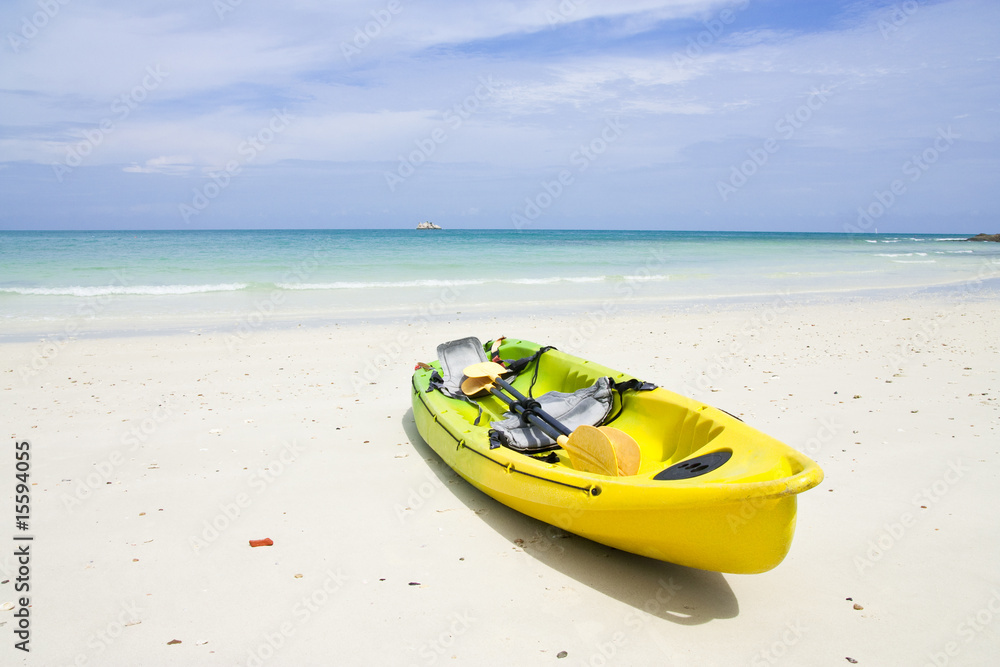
(738, 518)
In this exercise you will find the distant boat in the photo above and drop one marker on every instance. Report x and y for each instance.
(428, 225)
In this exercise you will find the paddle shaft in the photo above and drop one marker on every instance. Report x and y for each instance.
(530, 415)
(590, 449)
(550, 421)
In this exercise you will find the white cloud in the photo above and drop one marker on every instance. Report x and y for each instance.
(165, 164)
(223, 78)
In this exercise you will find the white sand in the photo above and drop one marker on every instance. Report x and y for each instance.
(158, 458)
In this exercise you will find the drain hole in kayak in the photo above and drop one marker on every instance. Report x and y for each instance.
(695, 467)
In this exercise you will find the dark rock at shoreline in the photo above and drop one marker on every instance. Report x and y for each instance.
(985, 237)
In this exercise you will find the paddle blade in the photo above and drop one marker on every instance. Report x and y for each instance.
(484, 369)
(472, 386)
(626, 450)
(590, 450)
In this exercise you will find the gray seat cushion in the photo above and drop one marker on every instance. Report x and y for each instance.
(590, 405)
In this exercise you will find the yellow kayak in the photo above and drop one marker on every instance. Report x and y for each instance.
(710, 492)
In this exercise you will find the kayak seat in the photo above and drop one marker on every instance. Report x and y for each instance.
(587, 406)
(455, 356)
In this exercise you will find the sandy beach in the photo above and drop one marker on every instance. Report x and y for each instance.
(230, 231)
(154, 460)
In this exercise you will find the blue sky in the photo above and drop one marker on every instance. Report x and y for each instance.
(692, 114)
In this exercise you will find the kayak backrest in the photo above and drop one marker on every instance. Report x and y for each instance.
(455, 356)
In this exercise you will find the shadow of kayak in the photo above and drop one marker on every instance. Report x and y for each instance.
(675, 593)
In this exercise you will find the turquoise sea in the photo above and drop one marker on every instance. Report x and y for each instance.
(58, 282)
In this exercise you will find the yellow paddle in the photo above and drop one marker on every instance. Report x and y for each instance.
(604, 450)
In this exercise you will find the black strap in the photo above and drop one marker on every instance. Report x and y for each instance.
(633, 385)
(629, 385)
(436, 383)
(519, 365)
(548, 457)
(516, 366)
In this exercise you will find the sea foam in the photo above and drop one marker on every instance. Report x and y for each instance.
(108, 290)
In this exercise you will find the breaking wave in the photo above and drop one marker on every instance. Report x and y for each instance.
(107, 290)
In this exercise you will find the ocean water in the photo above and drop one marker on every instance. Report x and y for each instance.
(59, 282)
